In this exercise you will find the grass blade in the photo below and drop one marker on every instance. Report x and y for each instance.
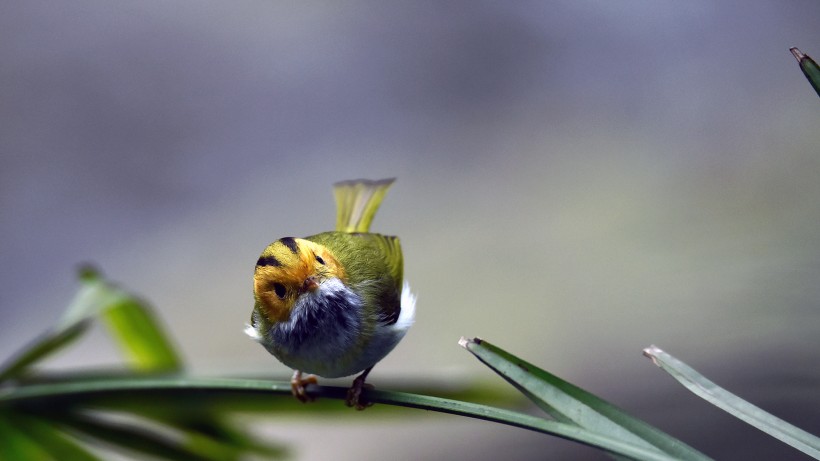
(128, 319)
(131, 438)
(166, 389)
(734, 405)
(48, 437)
(44, 346)
(569, 403)
(205, 428)
(206, 433)
(15, 444)
(809, 68)
(140, 336)
(199, 428)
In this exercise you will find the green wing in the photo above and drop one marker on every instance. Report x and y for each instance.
(357, 202)
(391, 247)
(374, 266)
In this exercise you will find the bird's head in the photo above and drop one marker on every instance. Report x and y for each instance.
(288, 269)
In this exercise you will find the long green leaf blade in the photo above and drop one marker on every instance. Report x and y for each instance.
(140, 336)
(135, 439)
(198, 421)
(16, 444)
(147, 390)
(50, 438)
(725, 400)
(809, 67)
(42, 347)
(207, 433)
(569, 403)
(206, 430)
(128, 319)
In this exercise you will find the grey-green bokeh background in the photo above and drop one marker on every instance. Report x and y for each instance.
(576, 181)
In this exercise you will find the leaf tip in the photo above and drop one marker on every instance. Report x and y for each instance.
(465, 342)
(652, 352)
(797, 54)
(88, 272)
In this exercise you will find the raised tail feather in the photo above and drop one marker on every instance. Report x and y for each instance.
(357, 202)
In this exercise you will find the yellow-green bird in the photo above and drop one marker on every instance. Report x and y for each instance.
(333, 304)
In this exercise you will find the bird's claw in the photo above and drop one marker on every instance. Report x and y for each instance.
(298, 386)
(355, 392)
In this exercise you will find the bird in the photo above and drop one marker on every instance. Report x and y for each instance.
(336, 303)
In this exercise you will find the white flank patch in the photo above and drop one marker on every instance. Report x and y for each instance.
(251, 331)
(408, 308)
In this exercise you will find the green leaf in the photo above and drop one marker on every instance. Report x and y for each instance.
(16, 444)
(129, 321)
(569, 403)
(205, 429)
(148, 391)
(92, 297)
(122, 435)
(44, 346)
(515, 419)
(809, 68)
(207, 433)
(725, 400)
(200, 429)
(50, 438)
(140, 337)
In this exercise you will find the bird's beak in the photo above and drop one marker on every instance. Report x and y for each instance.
(311, 284)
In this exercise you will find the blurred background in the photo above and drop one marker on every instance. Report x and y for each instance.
(576, 181)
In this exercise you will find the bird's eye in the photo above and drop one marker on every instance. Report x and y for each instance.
(280, 290)
(321, 261)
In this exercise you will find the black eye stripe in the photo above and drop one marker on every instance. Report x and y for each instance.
(268, 261)
(290, 243)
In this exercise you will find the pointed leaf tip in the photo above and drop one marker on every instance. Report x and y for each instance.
(88, 272)
(809, 68)
(466, 342)
(652, 352)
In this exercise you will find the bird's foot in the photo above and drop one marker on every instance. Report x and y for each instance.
(298, 384)
(355, 392)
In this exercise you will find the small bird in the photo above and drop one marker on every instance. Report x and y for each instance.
(333, 304)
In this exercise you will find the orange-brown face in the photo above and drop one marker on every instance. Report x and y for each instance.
(287, 269)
